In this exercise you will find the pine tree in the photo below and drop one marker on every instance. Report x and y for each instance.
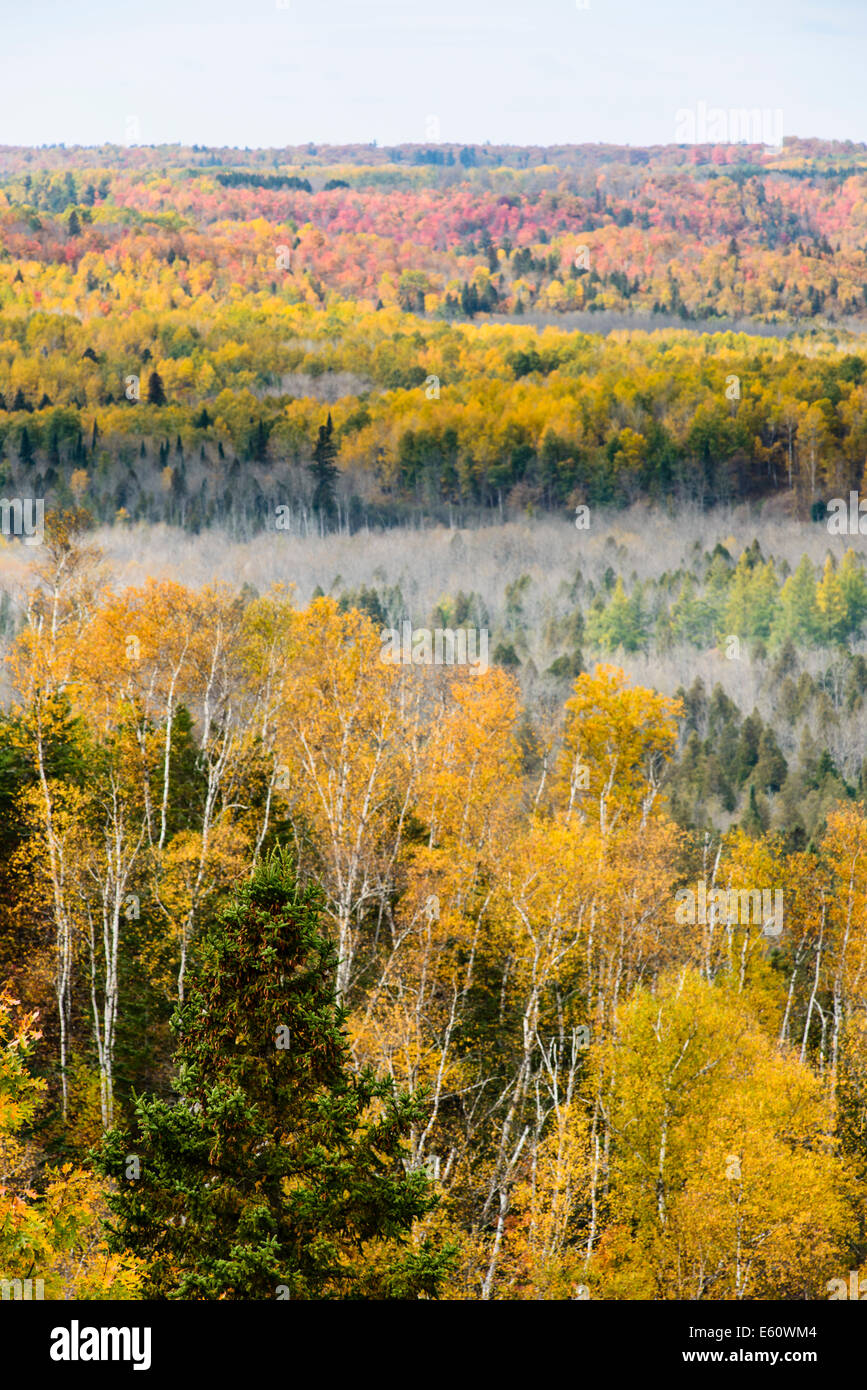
(798, 619)
(325, 471)
(770, 770)
(853, 587)
(747, 752)
(156, 394)
(260, 446)
(73, 226)
(278, 1171)
(753, 821)
(25, 448)
(831, 603)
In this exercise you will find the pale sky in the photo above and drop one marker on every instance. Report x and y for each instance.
(277, 72)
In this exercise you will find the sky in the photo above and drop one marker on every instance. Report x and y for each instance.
(284, 72)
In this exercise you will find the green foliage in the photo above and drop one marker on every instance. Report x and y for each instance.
(325, 471)
(277, 1166)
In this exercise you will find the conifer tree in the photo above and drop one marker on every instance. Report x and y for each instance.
(156, 394)
(25, 448)
(325, 471)
(276, 1172)
(770, 770)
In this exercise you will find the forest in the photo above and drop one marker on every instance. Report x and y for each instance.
(173, 338)
(328, 977)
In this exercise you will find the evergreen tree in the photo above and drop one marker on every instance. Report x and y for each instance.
(689, 617)
(325, 471)
(156, 394)
(771, 768)
(73, 226)
(753, 822)
(621, 624)
(798, 619)
(25, 448)
(278, 1170)
(260, 445)
(853, 587)
(831, 603)
(747, 752)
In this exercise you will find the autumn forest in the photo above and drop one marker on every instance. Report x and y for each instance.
(331, 976)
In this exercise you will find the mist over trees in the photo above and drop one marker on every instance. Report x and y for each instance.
(536, 976)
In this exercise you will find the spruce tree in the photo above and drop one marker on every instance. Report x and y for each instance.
(325, 471)
(753, 821)
(156, 394)
(25, 448)
(277, 1171)
(771, 768)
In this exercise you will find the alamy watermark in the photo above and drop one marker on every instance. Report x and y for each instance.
(848, 520)
(713, 125)
(857, 1287)
(420, 646)
(22, 1290)
(761, 906)
(77, 1343)
(23, 517)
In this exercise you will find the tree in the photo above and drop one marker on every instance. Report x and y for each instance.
(620, 624)
(73, 225)
(832, 606)
(325, 471)
(278, 1171)
(57, 1235)
(752, 603)
(156, 393)
(813, 436)
(616, 742)
(798, 618)
(771, 768)
(25, 448)
(853, 586)
(753, 820)
(717, 1136)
